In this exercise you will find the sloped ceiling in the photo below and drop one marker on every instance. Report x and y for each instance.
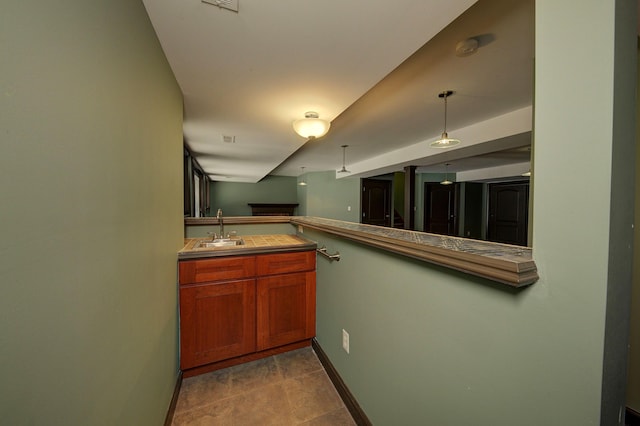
(373, 68)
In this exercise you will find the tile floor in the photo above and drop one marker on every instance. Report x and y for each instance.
(286, 389)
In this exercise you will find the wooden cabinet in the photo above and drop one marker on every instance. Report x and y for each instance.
(286, 298)
(286, 309)
(235, 307)
(217, 321)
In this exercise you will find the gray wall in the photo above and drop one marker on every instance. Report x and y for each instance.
(91, 184)
(432, 346)
(233, 198)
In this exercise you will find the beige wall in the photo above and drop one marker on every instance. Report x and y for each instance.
(91, 215)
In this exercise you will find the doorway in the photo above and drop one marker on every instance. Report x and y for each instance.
(508, 213)
(376, 202)
(440, 208)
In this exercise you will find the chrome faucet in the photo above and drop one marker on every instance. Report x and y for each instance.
(221, 222)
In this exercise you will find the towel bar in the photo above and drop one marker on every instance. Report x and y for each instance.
(323, 251)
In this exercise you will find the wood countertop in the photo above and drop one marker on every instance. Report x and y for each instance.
(253, 244)
(504, 263)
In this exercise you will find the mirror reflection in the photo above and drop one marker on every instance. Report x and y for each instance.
(482, 197)
(394, 182)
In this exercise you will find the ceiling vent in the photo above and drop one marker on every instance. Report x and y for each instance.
(224, 4)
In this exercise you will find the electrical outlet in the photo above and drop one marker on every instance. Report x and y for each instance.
(348, 208)
(300, 229)
(345, 340)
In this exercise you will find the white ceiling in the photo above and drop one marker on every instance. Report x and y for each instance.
(371, 67)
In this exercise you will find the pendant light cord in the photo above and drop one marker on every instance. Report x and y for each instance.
(445, 111)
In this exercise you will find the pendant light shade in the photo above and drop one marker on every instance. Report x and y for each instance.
(445, 141)
(344, 156)
(302, 182)
(311, 126)
(446, 180)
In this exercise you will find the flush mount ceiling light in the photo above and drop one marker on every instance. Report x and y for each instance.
(466, 47)
(302, 182)
(445, 141)
(311, 126)
(344, 156)
(224, 4)
(446, 180)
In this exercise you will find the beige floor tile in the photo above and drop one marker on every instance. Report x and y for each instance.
(282, 390)
(217, 413)
(311, 396)
(339, 417)
(204, 389)
(298, 362)
(245, 377)
(266, 405)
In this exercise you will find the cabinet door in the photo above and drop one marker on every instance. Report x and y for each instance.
(286, 309)
(217, 321)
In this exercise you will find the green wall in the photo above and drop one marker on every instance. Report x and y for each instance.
(233, 198)
(91, 184)
(326, 196)
(323, 196)
(433, 346)
(586, 262)
(430, 346)
(633, 385)
(199, 231)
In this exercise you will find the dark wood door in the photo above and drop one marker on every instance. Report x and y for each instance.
(508, 213)
(217, 321)
(286, 309)
(473, 210)
(440, 208)
(376, 202)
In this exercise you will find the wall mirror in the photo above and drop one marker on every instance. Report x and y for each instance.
(483, 197)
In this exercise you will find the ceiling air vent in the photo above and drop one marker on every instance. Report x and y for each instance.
(224, 4)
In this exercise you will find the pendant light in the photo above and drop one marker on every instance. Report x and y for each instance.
(445, 141)
(446, 180)
(302, 182)
(311, 126)
(344, 153)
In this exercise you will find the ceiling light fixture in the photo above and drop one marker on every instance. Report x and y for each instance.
(302, 182)
(445, 141)
(311, 126)
(344, 156)
(467, 47)
(446, 180)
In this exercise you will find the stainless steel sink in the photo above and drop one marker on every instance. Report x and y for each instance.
(221, 242)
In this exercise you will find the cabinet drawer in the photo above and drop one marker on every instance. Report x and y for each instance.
(282, 263)
(219, 269)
